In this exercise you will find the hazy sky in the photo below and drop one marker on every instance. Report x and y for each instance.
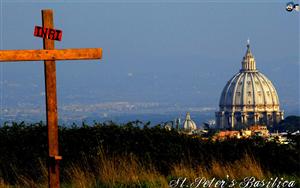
(171, 52)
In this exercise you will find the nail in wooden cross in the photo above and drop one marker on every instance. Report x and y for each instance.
(49, 54)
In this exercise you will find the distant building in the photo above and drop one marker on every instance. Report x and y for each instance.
(280, 137)
(259, 130)
(189, 125)
(223, 135)
(248, 98)
(168, 127)
(177, 123)
(255, 130)
(246, 133)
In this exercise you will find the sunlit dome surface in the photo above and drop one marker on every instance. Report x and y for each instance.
(188, 123)
(248, 95)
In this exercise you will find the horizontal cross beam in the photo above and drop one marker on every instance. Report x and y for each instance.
(57, 54)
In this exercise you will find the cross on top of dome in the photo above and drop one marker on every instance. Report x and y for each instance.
(248, 63)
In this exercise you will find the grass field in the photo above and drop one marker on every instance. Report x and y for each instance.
(129, 156)
(129, 171)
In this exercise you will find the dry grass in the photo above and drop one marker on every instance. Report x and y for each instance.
(3, 184)
(125, 171)
(245, 167)
(79, 178)
(115, 172)
(24, 181)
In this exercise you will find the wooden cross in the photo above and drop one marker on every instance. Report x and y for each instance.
(49, 54)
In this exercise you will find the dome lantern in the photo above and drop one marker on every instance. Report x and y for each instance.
(248, 63)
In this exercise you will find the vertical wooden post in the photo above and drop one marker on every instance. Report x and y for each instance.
(49, 55)
(51, 106)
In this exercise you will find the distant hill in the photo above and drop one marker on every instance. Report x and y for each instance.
(289, 124)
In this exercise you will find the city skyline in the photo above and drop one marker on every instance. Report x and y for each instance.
(173, 56)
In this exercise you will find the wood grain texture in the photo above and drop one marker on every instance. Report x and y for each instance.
(55, 54)
(51, 104)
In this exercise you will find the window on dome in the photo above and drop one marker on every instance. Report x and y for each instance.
(238, 93)
(249, 94)
(259, 93)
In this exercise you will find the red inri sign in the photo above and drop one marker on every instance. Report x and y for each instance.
(52, 34)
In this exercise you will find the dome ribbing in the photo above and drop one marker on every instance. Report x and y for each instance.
(249, 97)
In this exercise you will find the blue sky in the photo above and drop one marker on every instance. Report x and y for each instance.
(170, 52)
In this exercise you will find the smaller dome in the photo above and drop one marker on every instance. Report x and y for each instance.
(188, 123)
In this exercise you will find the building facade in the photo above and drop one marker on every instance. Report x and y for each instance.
(248, 98)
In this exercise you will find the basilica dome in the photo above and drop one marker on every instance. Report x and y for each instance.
(249, 97)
